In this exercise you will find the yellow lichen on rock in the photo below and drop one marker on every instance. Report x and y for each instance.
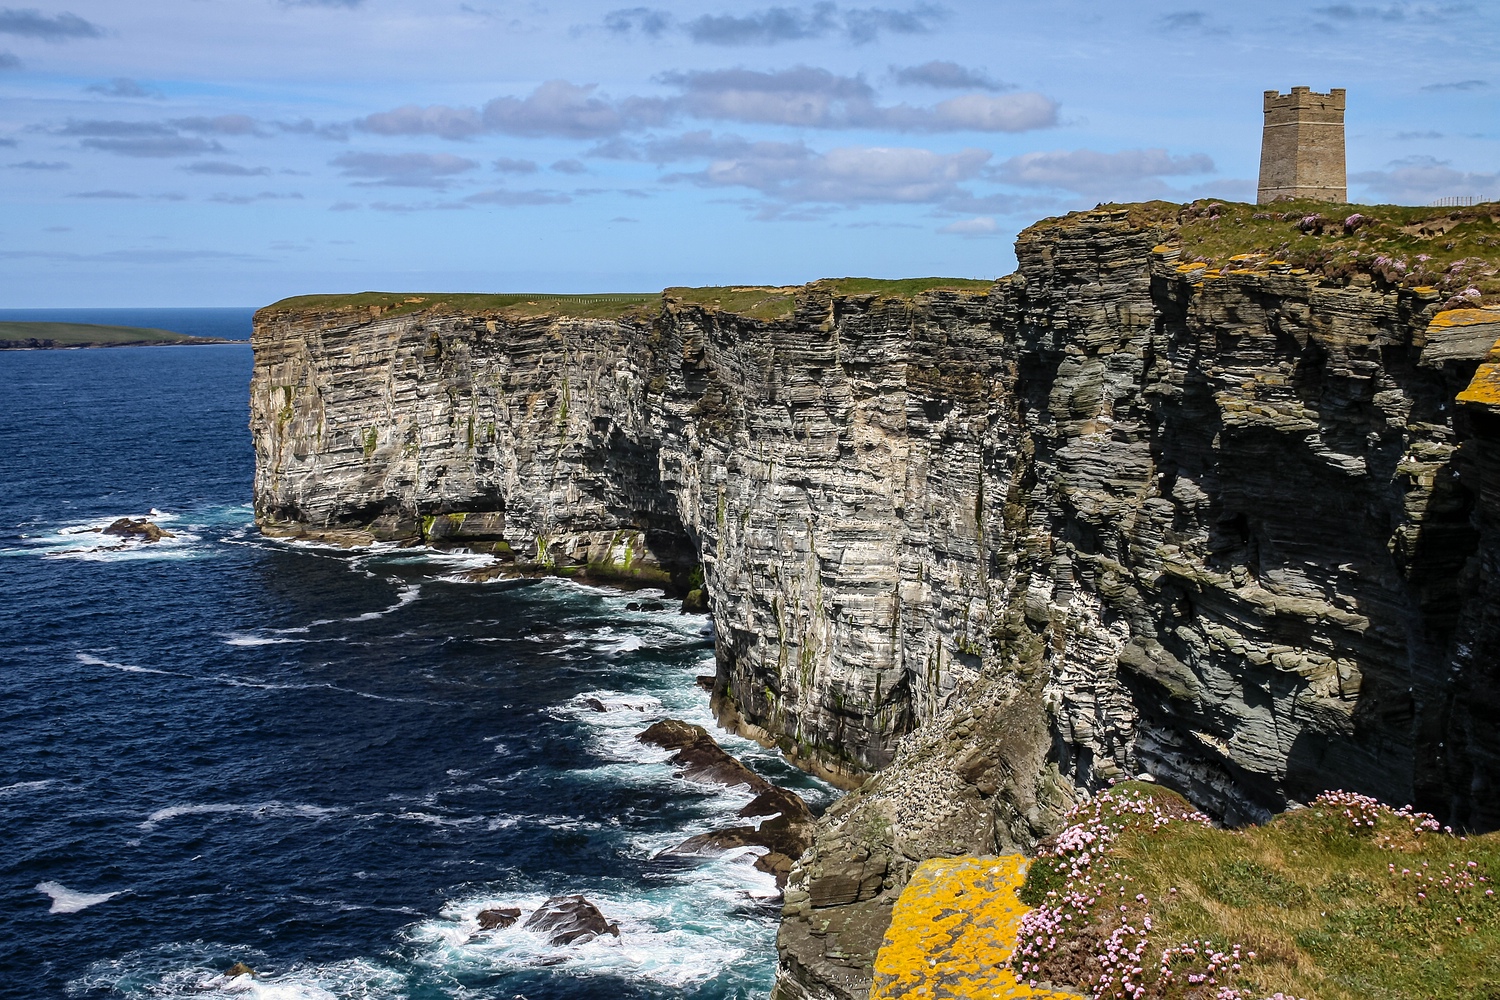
(953, 931)
(1464, 317)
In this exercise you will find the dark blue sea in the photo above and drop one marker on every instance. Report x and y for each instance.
(322, 763)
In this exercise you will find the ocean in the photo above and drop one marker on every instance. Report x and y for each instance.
(323, 763)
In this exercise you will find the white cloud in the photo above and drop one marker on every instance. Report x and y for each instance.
(981, 225)
(1121, 176)
(1420, 180)
(791, 172)
(431, 170)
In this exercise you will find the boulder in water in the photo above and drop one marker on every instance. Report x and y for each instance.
(239, 969)
(570, 920)
(498, 917)
(138, 528)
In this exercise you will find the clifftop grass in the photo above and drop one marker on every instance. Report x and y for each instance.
(520, 304)
(755, 301)
(1344, 900)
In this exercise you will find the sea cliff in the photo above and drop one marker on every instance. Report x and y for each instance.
(970, 549)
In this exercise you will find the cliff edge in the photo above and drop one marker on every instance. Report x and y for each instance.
(973, 549)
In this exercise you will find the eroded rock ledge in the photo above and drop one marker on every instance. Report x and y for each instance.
(1111, 514)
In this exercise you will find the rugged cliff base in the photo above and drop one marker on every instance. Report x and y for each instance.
(1144, 506)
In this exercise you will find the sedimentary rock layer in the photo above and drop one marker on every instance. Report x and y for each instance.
(1114, 514)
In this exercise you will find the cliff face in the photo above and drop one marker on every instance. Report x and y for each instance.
(1112, 515)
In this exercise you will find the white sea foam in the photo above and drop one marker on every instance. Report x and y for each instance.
(193, 970)
(678, 936)
(65, 900)
(22, 787)
(257, 810)
(242, 639)
(405, 594)
(84, 540)
(95, 661)
(252, 683)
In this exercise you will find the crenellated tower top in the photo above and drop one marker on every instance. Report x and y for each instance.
(1302, 147)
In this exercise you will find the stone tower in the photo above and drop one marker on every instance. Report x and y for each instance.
(1302, 148)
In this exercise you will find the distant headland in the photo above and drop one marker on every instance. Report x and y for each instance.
(21, 336)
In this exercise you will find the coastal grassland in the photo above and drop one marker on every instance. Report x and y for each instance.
(764, 302)
(777, 303)
(904, 288)
(511, 304)
(1346, 899)
(1454, 251)
(28, 334)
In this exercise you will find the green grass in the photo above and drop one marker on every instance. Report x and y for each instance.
(601, 306)
(1321, 902)
(755, 301)
(1462, 245)
(91, 335)
(903, 287)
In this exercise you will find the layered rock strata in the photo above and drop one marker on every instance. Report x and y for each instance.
(1115, 514)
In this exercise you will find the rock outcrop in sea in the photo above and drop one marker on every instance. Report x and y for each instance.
(970, 550)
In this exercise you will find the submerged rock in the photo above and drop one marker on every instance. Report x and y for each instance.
(570, 920)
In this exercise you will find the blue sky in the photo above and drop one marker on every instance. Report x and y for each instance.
(232, 152)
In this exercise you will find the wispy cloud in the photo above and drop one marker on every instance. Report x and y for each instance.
(560, 108)
(436, 119)
(247, 199)
(810, 97)
(218, 168)
(1458, 85)
(646, 21)
(9, 60)
(157, 139)
(802, 96)
(506, 165)
(1350, 12)
(106, 195)
(792, 172)
(1420, 180)
(336, 131)
(1123, 175)
(512, 199)
(50, 165)
(944, 75)
(32, 23)
(220, 125)
(1191, 21)
(122, 86)
(429, 170)
(982, 225)
(775, 25)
